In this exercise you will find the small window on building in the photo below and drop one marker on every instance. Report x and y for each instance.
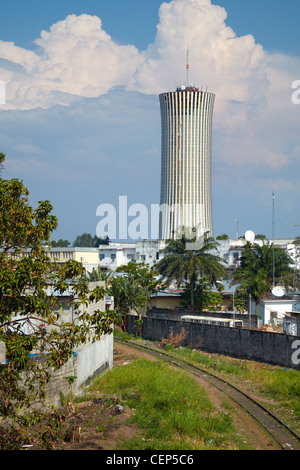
(143, 257)
(113, 256)
(102, 256)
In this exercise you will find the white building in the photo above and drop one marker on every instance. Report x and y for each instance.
(148, 251)
(231, 250)
(273, 310)
(116, 254)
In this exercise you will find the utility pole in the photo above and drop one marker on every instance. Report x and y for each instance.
(249, 310)
(273, 241)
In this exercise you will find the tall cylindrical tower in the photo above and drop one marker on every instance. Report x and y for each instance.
(186, 137)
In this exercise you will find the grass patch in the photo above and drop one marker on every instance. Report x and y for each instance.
(276, 383)
(171, 409)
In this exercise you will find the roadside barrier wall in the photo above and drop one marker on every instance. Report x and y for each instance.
(177, 314)
(262, 346)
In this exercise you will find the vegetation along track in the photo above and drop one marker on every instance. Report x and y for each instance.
(281, 433)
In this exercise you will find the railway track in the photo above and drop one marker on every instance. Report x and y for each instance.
(286, 438)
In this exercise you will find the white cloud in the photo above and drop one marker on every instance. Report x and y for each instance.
(76, 57)
(229, 65)
(254, 117)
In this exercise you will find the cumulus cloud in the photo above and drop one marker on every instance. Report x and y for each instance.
(76, 58)
(253, 115)
(219, 59)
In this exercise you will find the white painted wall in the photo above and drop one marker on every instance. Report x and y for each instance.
(281, 307)
(94, 358)
(146, 251)
(116, 254)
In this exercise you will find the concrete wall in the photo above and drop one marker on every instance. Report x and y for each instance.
(274, 348)
(58, 384)
(177, 314)
(94, 358)
(89, 361)
(165, 302)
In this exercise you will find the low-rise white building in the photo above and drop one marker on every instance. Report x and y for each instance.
(231, 250)
(116, 254)
(148, 251)
(273, 310)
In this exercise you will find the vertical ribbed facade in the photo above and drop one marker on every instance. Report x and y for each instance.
(186, 135)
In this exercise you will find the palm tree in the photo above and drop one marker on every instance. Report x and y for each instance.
(184, 264)
(262, 266)
(127, 296)
(98, 274)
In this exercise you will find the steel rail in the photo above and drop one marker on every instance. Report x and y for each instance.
(286, 437)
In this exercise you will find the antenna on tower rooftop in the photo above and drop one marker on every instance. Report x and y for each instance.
(187, 67)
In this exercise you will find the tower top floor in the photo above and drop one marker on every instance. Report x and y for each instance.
(187, 88)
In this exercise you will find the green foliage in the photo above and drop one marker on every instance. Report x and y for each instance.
(32, 322)
(98, 274)
(204, 298)
(255, 274)
(2, 160)
(224, 236)
(241, 299)
(132, 288)
(60, 243)
(181, 263)
(51, 429)
(142, 275)
(86, 240)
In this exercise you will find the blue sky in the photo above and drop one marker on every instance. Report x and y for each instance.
(81, 123)
(134, 21)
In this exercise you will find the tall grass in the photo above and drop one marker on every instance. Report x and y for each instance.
(171, 409)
